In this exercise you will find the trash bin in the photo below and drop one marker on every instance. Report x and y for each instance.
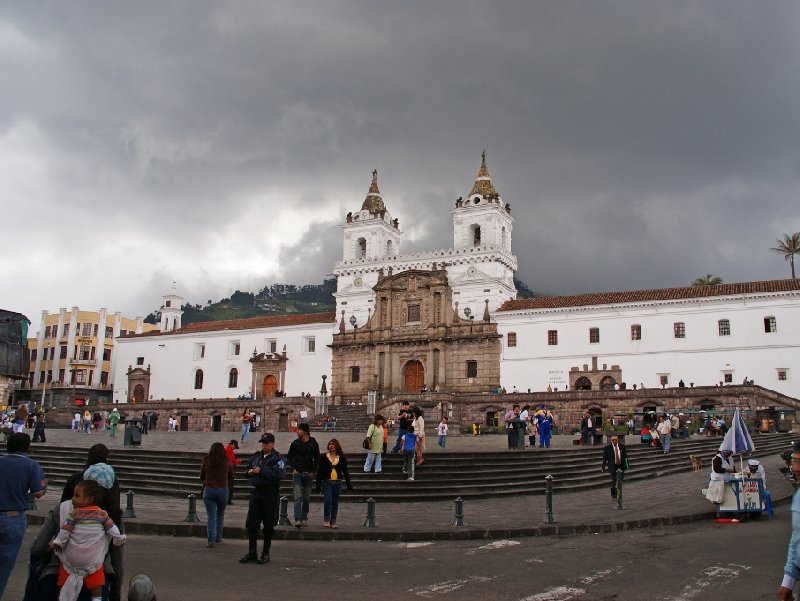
(133, 432)
(512, 430)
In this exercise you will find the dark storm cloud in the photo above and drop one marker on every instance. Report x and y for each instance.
(220, 144)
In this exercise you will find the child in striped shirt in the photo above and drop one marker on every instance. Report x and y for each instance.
(82, 543)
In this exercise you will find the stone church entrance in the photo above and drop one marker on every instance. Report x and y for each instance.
(414, 376)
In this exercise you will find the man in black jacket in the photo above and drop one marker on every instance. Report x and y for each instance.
(303, 456)
(615, 458)
(264, 472)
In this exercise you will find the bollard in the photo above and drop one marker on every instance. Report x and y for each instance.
(459, 518)
(192, 515)
(620, 474)
(548, 501)
(32, 504)
(283, 515)
(370, 521)
(129, 512)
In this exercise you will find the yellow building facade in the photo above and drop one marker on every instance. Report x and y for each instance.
(72, 356)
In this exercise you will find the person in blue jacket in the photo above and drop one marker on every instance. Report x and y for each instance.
(545, 419)
(264, 473)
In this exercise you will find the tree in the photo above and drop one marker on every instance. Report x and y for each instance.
(788, 247)
(708, 280)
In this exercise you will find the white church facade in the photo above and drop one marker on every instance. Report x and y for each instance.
(697, 335)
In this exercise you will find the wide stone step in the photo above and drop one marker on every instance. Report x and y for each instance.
(443, 476)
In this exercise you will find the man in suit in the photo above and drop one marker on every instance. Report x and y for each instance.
(615, 458)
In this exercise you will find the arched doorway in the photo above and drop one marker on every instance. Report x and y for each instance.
(414, 376)
(607, 383)
(138, 393)
(583, 383)
(270, 386)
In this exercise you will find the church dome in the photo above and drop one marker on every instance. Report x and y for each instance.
(483, 182)
(373, 202)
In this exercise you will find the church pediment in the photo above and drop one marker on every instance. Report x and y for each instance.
(268, 359)
(412, 280)
(472, 274)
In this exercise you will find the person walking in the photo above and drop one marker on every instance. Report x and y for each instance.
(20, 476)
(216, 473)
(441, 430)
(303, 456)
(38, 429)
(419, 430)
(246, 419)
(113, 422)
(615, 459)
(664, 432)
(265, 469)
(332, 468)
(20, 418)
(403, 421)
(375, 437)
(230, 452)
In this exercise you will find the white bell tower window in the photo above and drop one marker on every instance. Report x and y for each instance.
(361, 248)
(475, 230)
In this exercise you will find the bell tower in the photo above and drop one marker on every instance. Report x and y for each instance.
(370, 243)
(171, 311)
(482, 225)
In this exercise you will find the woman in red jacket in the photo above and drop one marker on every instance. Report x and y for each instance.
(232, 446)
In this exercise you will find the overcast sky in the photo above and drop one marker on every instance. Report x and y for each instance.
(220, 144)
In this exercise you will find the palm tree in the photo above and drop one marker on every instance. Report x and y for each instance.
(788, 247)
(707, 280)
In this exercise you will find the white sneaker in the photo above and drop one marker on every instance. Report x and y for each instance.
(411, 478)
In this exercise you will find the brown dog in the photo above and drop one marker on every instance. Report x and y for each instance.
(697, 463)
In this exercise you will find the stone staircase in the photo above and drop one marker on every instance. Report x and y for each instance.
(349, 418)
(444, 476)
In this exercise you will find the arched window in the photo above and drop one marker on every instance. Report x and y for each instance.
(361, 248)
(233, 378)
(198, 379)
(476, 235)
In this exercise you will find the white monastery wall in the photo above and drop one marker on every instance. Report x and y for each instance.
(703, 357)
(174, 359)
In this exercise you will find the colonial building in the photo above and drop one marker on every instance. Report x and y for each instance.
(73, 354)
(415, 338)
(449, 320)
(259, 357)
(697, 335)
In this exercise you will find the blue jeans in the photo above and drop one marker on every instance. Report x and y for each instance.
(400, 433)
(215, 499)
(665, 438)
(442, 440)
(12, 531)
(245, 432)
(330, 496)
(301, 489)
(373, 458)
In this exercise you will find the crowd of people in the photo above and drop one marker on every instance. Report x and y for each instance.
(529, 422)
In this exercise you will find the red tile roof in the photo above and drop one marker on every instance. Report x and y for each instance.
(658, 294)
(250, 323)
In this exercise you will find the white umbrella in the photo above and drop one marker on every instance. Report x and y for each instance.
(737, 438)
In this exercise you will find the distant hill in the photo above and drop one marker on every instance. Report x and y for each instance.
(277, 299)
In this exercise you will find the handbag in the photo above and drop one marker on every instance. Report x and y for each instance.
(367, 444)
